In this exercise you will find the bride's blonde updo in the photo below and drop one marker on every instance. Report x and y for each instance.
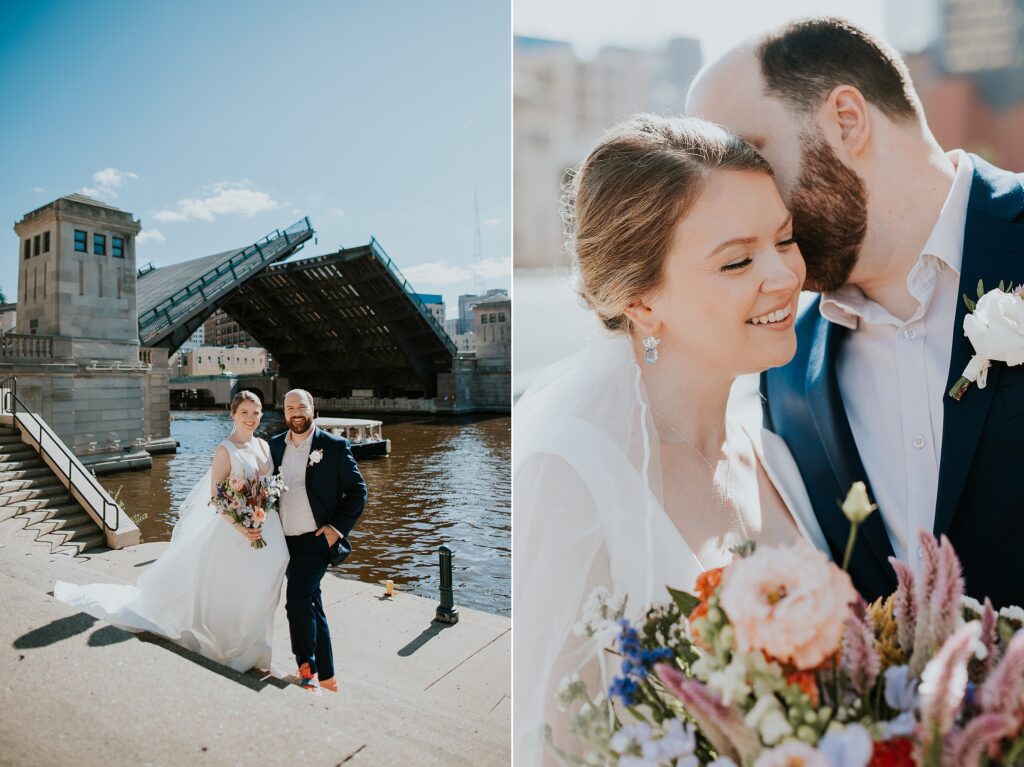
(622, 204)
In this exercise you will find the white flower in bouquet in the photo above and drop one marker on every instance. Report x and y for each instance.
(600, 617)
(768, 718)
(1012, 613)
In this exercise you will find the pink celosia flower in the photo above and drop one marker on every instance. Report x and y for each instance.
(944, 680)
(722, 725)
(788, 602)
(859, 660)
(1001, 692)
(938, 596)
(967, 745)
(904, 609)
(989, 637)
(792, 753)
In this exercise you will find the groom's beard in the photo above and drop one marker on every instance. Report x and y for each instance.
(830, 215)
(300, 424)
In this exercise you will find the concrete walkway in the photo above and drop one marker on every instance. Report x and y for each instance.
(74, 690)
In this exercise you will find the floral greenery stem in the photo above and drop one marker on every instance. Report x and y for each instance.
(958, 389)
(849, 546)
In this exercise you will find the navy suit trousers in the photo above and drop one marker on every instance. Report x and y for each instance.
(307, 624)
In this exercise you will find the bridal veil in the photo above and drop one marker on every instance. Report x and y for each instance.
(588, 512)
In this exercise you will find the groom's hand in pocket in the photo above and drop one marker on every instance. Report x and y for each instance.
(333, 536)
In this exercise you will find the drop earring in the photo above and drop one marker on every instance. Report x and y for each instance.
(650, 347)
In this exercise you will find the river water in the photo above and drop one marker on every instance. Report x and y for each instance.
(447, 481)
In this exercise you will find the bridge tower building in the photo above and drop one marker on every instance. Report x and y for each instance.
(76, 276)
(75, 350)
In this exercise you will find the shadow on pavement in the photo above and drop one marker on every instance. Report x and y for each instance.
(55, 631)
(108, 635)
(251, 679)
(425, 636)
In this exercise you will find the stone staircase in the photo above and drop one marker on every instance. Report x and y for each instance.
(32, 498)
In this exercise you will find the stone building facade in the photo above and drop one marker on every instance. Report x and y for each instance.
(221, 330)
(75, 346)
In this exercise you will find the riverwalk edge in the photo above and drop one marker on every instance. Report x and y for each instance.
(77, 690)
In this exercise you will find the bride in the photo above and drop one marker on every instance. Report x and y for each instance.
(210, 591)
(628, 471)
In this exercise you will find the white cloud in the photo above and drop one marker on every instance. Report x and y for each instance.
(150, 235)
(336, 212)
(107, 182)
(227, 199)
(491, 221)
(434, 273)
(38, 189)
(494, 268)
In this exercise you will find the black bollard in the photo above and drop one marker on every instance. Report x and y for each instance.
(447, 612)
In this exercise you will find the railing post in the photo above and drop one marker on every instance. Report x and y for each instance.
(447, 612)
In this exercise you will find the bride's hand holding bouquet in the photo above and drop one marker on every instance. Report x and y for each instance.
(247, 501)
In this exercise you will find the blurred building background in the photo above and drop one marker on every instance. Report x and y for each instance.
(966, 58)
(561, 105)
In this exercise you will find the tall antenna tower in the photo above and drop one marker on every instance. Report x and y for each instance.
(478, 251)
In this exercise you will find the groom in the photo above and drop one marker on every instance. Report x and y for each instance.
(325, 496)
(894, 231)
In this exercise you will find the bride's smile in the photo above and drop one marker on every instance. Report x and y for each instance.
(731, 280)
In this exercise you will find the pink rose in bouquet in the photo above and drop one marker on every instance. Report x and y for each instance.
(791, 603)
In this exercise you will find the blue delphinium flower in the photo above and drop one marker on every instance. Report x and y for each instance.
(636, 663)
(625, 688)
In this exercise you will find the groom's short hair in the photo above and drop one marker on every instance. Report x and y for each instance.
(802, 62)
(303, 394)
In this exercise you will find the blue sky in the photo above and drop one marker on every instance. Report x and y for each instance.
(218, 122)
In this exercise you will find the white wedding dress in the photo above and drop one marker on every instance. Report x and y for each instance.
(588, 513)
(210, 591)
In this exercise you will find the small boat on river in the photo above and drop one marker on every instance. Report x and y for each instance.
(364, 435)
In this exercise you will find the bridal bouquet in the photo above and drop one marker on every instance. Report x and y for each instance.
(247, 501)
(776, 660)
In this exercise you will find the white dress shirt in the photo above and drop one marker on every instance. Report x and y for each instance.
(892, 374)
(296, 514)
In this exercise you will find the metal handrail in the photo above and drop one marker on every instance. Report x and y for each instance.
(9, 386)
(378, 250)
(208, 285)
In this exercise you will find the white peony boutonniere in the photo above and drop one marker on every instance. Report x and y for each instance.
(995, 326)
(315, 457)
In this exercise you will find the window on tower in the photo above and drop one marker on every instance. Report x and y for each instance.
(81, 238)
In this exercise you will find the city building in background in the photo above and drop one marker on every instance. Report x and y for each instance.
(8, 317)
(561, 106)
(221, 330)
(196, 340)
(464, 329)
(466, 303)
(482, 373)
(493, 319)
(970, 76)
(217, 360)
(435, 303)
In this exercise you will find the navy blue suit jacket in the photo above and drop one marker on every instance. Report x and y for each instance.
(334, 486)
(980, 504)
